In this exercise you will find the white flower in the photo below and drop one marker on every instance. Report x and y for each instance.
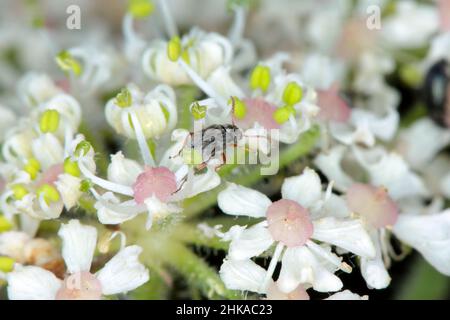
(148, 115)
(411, 26)
(205, 51)
(121, 274)
(36, 88)
(292, 223)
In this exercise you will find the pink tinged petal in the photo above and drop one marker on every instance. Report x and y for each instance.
(2, 184)
(274, 293)
(260, 111)
(373, 204)
(444, 14)
(159, 181)
(32, 283)
(332, 106)
(289, 223)
(50, 175)
(80, 286)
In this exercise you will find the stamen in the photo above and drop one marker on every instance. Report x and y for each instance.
(272, 266)
(49, 121)
(169, 23)
(105, 184)
(142, 142)
(202, 84)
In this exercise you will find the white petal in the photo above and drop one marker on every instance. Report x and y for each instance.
(48, 150)
(122, 170)
(32, 283)
(334, 206)
(251, 242)
(391, 171)
(373, 270)
(300, 265)
(346, 295)
(428, 234)
(422, 141)
(242, 275)
(78, 245)
(107, 215)
(200, 183)
(159, 210)
(241, 201)
(348, 234)
(123, 272)
(306, 188)
(12, 244)
(69, 188)
(330, 164)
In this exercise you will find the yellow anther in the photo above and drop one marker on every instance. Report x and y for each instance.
(6, 264)
(281, 115)
(292, 94)
(32, 168)
(141, 8)
(5, 224)
(174, 48)
(49, 192)
(239, 107)
(71, 167)
(260, 78)
(19, 191)
(49, 121)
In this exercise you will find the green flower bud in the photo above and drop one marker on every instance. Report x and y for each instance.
(82, 148)
(124, 98)
(67, 63)
(85, 185)
(198, 111)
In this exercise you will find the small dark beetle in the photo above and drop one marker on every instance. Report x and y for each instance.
(437, 93)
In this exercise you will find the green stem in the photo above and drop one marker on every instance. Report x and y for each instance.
(197, 272)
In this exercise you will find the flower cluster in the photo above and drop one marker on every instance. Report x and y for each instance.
(114, 157)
